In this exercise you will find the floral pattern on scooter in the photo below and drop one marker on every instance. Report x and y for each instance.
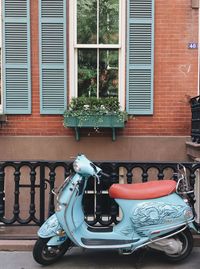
(147, 214)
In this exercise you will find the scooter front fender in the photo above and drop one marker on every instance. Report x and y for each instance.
(56, 240)
(49, 230)
(49, 227)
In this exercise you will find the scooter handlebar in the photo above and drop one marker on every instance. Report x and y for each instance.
(104, 174)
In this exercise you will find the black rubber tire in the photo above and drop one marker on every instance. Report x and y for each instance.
(43, 256)
(187, 240)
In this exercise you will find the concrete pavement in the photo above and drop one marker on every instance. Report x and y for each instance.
(76, 258)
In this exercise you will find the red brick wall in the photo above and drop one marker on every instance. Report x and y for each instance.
(176, 71)
(175, 79)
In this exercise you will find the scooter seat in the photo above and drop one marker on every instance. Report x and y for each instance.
(143, 191)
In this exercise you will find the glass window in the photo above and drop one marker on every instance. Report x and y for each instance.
(86, 21)
(97, 47)
(97, 21)
(108, 21)
(87, 72)
(97, 78)
(108, 72)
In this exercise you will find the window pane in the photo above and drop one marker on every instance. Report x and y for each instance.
(86, 21)
(108, 73)
(87, 72)
(108, 21)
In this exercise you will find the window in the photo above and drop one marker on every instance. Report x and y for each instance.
(99, 64)
(97, 48)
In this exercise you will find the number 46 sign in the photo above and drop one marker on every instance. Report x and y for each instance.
(192, 45)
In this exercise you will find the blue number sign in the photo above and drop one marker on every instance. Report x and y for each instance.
(192, 45)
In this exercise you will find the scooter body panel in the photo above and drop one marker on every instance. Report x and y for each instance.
(142, 221)
(154, 216)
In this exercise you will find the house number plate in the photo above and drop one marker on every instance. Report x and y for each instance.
(192, 45)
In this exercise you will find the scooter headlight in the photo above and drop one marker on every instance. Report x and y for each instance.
(76, 167)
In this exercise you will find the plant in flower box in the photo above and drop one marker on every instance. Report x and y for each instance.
(94, 112)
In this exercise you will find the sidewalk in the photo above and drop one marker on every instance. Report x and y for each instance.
(76, 258)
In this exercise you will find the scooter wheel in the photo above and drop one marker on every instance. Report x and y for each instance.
(186, 239)
(46, 255)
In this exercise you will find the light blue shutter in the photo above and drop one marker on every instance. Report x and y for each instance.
(52, 56)
(16, 57)
(140, 57)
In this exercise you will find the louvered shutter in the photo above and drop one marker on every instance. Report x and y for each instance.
(16, 57)
(140, 57)
(52, 56)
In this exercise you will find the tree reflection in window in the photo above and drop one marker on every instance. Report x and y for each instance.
(86, 22)
(108, 21)
(87, 72)
(108, 73)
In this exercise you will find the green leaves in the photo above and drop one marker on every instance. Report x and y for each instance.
(95, 105)
(83, 106)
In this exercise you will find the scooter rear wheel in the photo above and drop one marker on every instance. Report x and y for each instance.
(186, 239)
(46, 255)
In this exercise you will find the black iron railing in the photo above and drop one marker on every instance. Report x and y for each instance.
(195, 109)
(25, 188)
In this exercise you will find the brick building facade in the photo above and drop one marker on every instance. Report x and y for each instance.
(160, 135)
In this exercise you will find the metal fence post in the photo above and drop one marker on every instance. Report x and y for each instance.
(2, 194)
(42, 193)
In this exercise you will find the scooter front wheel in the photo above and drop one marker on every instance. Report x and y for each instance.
(46, 255)
(186, 238)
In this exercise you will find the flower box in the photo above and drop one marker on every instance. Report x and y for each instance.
(89, 112)
(94, 121)
(105, 121)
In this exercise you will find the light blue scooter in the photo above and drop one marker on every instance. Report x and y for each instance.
(156, 214)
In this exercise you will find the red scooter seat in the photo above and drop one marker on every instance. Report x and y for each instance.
(143, 191)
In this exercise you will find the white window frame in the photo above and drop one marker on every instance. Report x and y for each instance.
(1, 103)
(73, 78)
